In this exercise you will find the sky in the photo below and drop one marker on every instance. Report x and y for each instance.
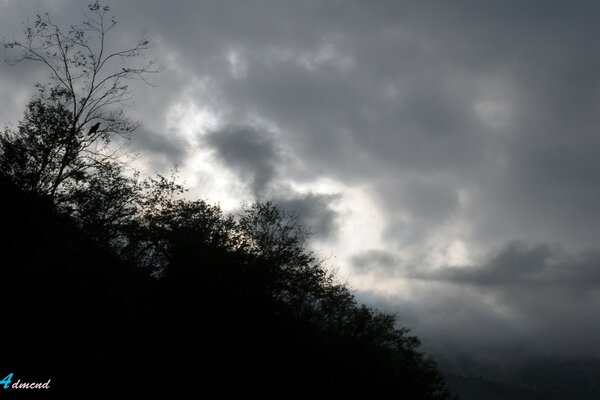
(444, 154)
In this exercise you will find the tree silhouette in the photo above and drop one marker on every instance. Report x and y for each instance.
(35, 153)
(88, 86)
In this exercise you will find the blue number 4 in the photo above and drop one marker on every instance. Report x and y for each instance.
(6, 381)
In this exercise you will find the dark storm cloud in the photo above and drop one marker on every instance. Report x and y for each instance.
(313, 211)
(254, 155)
(392, 90)
(531, 266)
(250, 152)
(516, 264)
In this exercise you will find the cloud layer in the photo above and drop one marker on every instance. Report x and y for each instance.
(522, 301)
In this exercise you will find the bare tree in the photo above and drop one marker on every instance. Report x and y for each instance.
(89, 77)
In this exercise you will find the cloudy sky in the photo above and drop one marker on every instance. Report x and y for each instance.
(444, 153)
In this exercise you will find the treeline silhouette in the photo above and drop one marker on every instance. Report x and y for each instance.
(118, 281)
(112, 282)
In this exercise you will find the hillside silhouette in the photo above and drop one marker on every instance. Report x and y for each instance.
(115, 281)
(81, 314)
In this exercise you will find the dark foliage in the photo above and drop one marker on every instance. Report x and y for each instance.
(236, 301)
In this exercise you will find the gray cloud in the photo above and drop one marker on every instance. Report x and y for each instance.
(375, 261)
(531, 266)
(523, 301)
(429, 92)
(314, 212)
(250, 152)
(416, 206)
(162, 151)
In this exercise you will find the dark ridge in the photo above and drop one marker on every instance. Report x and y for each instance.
(80, 315)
